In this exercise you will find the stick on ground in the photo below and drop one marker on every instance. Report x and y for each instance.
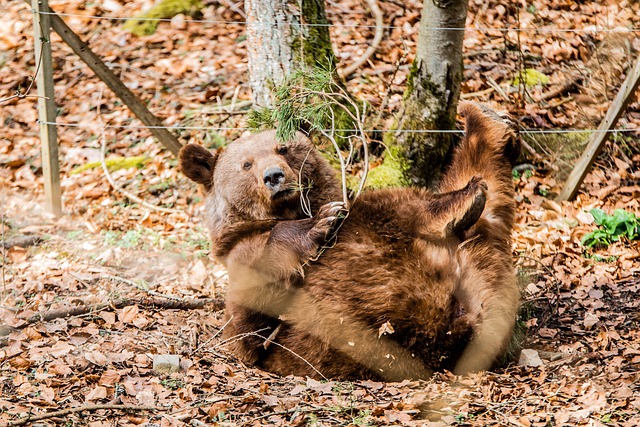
(86, 408)
(192, 304)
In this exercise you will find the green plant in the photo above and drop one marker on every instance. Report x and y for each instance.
(363, 418)
(308, 98)
(312, 419)
(612, 227)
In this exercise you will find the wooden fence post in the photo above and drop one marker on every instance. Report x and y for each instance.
(46, 107)
(598, 138)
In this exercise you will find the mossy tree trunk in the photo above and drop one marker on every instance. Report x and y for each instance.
(433, 90)
(284, 35)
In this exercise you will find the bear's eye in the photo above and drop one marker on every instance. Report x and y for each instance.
(247, 165)
(282, 150)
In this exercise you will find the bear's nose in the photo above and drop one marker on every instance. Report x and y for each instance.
(273, 179)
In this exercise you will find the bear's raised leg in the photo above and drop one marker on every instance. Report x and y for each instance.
(451, 214)
(488, 150)
(487, 287)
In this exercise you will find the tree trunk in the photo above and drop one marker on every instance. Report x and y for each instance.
(433, 90)
(284, 35)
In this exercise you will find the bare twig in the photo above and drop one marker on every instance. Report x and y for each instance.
(25, 94)
(497, 88)
(530, 149)
(477, 94)
(234, 7)
(560, 102)
(115, 186)
(86, 408)
(565, 87)
(338, 98)
(226, 109)
(304, 199)
(121, 190)
(377, 13)
(234, 98)
(218, 332)
(257, 334)
(343, 169)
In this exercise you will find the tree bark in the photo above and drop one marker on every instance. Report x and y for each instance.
(284, 35)
(433, 90)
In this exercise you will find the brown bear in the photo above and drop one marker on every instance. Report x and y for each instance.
(398, 284)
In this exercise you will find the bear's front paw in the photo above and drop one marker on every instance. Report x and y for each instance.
(326, 220)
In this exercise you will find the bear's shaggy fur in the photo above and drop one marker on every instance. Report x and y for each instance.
(413, 281)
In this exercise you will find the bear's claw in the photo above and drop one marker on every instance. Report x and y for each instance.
(326, 219)
(331, 209)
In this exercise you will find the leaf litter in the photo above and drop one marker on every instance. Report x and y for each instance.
(118, 266)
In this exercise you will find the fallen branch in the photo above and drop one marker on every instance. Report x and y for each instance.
(22, 241)
(240, 337)
(377, 38)
(601, 135)
(85, 408)
(560, 102)
(565, 87)
(491, 82)
(192, 304)
(233, 7)
(530, 149)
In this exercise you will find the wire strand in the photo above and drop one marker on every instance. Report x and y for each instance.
(501, 29)
(528, 131)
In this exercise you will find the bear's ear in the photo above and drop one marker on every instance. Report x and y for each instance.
(197, 164)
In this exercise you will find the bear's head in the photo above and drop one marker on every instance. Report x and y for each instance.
(259, 178)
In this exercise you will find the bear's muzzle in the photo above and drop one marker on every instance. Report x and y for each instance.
(274, 179)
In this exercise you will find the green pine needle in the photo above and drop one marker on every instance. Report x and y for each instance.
(307, 99)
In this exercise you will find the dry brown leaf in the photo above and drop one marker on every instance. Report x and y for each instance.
(97, 393)
(128, 314)
(96, 357)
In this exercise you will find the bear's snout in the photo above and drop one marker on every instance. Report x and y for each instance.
(274, 179)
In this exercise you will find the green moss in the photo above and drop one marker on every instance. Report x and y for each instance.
(391, 173)
(113, 164)
(146, 23)
(426, 152)
(530, 77)
(413, 72)
(316, 49)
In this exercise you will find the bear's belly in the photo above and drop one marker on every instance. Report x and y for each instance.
(391, 313)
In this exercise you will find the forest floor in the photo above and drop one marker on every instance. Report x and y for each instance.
(88, 299)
